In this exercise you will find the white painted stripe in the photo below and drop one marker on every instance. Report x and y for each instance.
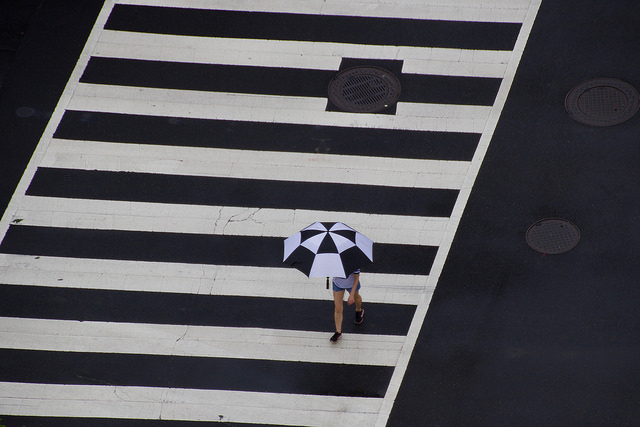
(271, 108)
(220, 220)
(455, 68)
(457, 10)
(443, 250)
(294, 54)
(199, 279)
(247, 164)
(198, 341)
(444, 111)
(53, 400)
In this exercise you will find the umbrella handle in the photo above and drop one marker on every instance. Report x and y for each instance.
(327, 283)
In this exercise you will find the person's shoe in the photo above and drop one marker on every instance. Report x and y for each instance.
(359, 317)
(335, 337)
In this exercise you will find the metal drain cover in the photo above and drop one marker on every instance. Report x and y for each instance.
(602, 102)
(553, 236)
(364, 90)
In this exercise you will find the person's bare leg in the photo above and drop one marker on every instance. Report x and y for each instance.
(359, 310)
(358, 300)
(338, 300)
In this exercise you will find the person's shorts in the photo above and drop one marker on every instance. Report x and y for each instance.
(337, 289)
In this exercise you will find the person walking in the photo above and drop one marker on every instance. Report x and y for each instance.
(352, 285)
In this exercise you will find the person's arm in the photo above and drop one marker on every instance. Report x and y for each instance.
(356, 279)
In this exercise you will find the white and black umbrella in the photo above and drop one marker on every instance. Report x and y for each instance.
(328, 249)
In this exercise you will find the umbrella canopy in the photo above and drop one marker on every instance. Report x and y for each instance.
(328, 249)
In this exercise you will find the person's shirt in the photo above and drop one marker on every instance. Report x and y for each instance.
(345, 283)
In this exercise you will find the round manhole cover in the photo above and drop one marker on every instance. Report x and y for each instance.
(25, 112)
(553, 236)
(364, 90)
(602, 102)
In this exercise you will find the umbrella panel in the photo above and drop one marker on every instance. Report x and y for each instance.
(327, 246)
(301, 259)
(348, 234)
(307, 234)
(353, 259)
(327, 264)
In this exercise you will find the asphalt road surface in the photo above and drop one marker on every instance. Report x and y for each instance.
(140, 265)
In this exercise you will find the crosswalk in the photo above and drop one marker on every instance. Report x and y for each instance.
(141, 262)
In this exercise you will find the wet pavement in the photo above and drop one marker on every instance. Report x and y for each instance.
(516, 337)
(512, 336)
